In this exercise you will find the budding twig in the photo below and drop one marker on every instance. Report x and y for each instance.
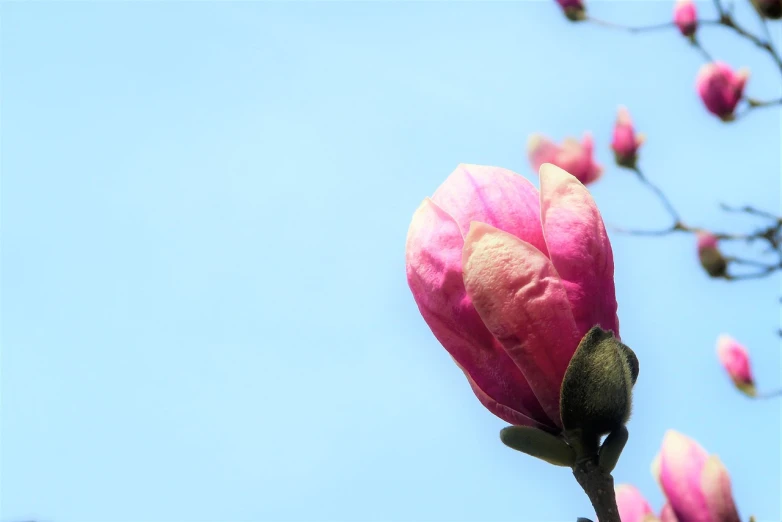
(725, 19)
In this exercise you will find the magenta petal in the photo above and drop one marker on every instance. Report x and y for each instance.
(579, 249)
(667, 514)
(540, 150)
(434, 273)
(715, 484)
(520, 298)
(681, 464)
(496, 196)
(632, 506)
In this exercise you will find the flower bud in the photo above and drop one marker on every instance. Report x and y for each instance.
(574, 9)
(625, 143)
(573, 156)
(597, 389)
(721, 89)
(710, 256)
(735, 359)
(685, 17)
(696, 484)
(769, 8)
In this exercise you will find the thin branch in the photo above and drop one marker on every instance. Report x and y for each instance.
(697, 44)
(759, 104)
(642, 29)
(727, 20)
(752, 262)
(756, 275)
(634, 232)
(660, 195)
(770, 395)
(747, 209)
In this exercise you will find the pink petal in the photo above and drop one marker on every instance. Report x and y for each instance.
(434, 273)
(681, 463)
(633, 507)
(715, 484)
(541, 150)
(579, 249)
(667, 514)
(520, 298)
(496, 196)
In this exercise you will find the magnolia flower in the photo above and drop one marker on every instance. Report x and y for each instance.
(696, 485)
(572, 156)
(574, 9)
(720, 88)
(511, 281)
(632, 506)
(685, 17)
(626, 142)
(735, 359)
(710, 256)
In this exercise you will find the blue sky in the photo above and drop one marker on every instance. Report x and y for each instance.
(205, 315)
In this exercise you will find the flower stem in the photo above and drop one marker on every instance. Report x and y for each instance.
(599, 487)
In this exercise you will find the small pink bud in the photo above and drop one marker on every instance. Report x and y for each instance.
(720, 88)
(696, 485)
(625, 143)
(633, 507)
(769, 8)
(710, 256)
(685, 17)
(574, 9)
(735, 359)
(572, 156)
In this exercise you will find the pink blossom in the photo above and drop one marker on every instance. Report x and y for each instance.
(696, 485)
(720, 88)
(509, 280)
(572, 156)
(735, 359)
(633, 507)
(685, 17)
(625, 143)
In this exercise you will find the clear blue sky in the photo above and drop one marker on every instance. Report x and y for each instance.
(205, 315)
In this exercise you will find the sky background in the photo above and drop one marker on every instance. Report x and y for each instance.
(205, 315)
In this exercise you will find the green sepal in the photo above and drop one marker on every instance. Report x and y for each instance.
(713, 262)
(612, 448)
(596, 393)
(540, 444)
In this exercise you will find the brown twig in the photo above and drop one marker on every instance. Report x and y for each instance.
(599, 487)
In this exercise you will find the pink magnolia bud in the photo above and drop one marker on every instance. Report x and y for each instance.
(574, 9)
(572, 156)
(633, 507)
(735, 359)
(509, 280)
(696, 485)
(769, 8)
(685, 17)
(720, 88)
(625, 143)
(710, 256)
